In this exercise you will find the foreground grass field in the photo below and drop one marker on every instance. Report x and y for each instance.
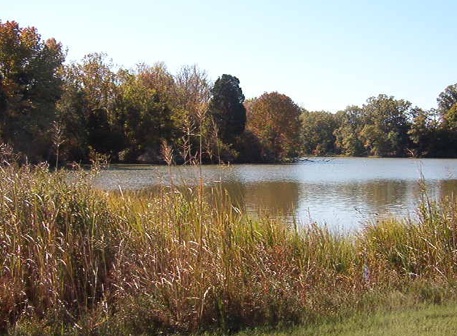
(431, 320)
(76, 260)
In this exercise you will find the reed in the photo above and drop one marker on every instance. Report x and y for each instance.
(76, 260)
(57, 245)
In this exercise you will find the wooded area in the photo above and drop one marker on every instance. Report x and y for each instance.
(58, 112)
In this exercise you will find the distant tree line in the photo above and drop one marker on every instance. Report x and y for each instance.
(57, 112)
(385, 127)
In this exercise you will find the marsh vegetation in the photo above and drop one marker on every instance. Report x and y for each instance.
(78, 260)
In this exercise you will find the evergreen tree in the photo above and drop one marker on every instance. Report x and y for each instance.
(227, 109)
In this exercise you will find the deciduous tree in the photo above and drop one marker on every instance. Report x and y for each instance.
(30, 86)
(146, 112)
(423, 132)
(446, 133)
(385, 126)
(275, 119)
(317, 132)
(447, 99)
(347, 139)
(192, 97)
(87, 110)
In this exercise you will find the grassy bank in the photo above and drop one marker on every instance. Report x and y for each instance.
(76, 260)
(430, 320)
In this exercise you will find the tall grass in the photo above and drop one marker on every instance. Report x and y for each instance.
(76, 260)
(57, 245)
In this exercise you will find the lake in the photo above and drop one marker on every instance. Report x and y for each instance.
(342, 193)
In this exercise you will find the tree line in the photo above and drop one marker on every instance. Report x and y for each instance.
(385, 127)
(57, 112)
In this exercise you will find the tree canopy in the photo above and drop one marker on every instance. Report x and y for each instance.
(30, 87)
(447, 98)
(318, 132)
(275, 119)
(226, 107)
(53, 111)
(384, 131)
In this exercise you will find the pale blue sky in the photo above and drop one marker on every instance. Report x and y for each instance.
(325, 55)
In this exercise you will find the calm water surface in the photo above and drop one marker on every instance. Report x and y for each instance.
(342, 193)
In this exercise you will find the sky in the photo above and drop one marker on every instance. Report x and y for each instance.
(324, 54)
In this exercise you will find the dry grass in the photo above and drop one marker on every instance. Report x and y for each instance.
(75, 260)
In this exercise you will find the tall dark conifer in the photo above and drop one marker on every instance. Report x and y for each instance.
(227, 109)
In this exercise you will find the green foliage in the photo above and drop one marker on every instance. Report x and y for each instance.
(29, 89)
(423, 133)
(380, 128)
(450, 118)
(144, 108)
(444, 132)
(227, 109)
(447, 99)
(87, 110)
(250, 148)
(126, 115)
(318, 132)
(350, 124)
(384, 132)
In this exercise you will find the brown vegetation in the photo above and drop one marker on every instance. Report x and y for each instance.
(78, 260)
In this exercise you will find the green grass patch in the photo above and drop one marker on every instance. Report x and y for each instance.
(430, 320)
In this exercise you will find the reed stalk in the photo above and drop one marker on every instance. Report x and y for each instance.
(76, 260)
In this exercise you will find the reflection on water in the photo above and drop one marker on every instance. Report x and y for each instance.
(347, 204)
(341, 193)
(275, 197)
(446, 188)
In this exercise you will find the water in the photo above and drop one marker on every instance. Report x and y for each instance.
(342, 193)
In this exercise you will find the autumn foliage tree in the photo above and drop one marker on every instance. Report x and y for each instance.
(30, 86)
(275, 120)
(191, 116)
(51, 111)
